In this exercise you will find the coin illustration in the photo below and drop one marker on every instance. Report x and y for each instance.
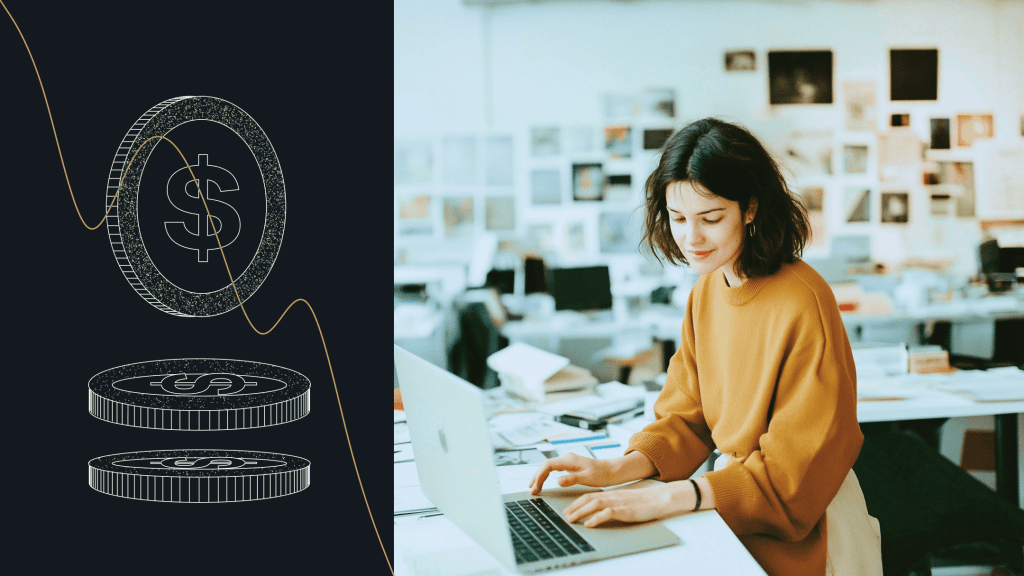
(207, 475)
(199, 394)
(167, 246)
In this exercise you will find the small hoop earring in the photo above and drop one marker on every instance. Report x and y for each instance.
(751, 230)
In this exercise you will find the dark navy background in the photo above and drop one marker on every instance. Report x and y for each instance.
(69, 313)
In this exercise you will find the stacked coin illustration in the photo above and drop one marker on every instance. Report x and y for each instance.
(199, 394)
(195, 184)
(199, 475)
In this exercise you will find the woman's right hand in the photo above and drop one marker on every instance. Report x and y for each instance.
(581, 470)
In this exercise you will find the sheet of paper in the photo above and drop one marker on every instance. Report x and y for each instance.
(399, 416)
(560, 407)
(540, 430)
(401, 432)
(403, 453)
(405, 475)
(513, 479)
(607, 450)
(617, 390)
(410, 499)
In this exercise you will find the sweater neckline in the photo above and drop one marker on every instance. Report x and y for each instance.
(739, 295)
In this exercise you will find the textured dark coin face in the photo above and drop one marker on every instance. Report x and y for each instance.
(199, 475)
(164, 241)
(199, 394)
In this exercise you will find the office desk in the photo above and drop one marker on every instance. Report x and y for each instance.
(708, 547)
(923, 402)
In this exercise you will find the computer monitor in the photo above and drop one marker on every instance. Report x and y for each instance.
(535, 275)
(503, 281)
(585, 288)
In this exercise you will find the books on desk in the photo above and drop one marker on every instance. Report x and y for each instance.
(539, 376)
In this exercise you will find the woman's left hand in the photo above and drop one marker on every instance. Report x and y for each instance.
(625, 505)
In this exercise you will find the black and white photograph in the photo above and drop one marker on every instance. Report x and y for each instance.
(913, 74)
(895, 207)
(800, 77)
(740, 61)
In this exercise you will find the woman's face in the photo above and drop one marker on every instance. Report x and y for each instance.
(707, 228)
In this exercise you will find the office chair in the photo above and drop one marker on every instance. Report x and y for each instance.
(479, 338)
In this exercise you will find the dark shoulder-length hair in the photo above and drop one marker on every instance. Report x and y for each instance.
(728, 161)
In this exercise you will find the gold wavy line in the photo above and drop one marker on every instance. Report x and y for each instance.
(221, 247)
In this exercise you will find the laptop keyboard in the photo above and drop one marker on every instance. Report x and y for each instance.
(540, 533)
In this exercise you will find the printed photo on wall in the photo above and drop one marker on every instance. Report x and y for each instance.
(545, 185)
(660, 103)
(544, 141)
(458, 157)
(859, 100)
(587, 182)
(971, 127)
(941, 205)
(855, 159)
(961, 176)
(654, 139)
(900, 154)
(940, 134)
(740, 61)
(499, 161)
(913, 74)
(458, 217)
(800, 77)
(575, 237)
(580, 139)
(414, 215)
(857, 204)
(895, 207)
(809, 152)
(618, 188)
(618, 141)
(542, 236)
(619, 233)
(619, 105)
(500, 212)
(901, 120)
(813, 198)
(413, 162)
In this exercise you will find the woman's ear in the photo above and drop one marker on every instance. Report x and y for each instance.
(751, 211)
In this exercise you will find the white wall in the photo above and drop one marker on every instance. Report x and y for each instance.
(480, 70)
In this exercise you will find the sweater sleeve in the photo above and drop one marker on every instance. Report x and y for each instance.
(812, 440)
(678, 441)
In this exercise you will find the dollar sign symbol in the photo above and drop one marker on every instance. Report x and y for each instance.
(183, 193)
(216, 462)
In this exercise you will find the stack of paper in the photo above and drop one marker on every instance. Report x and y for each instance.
(996, 385)
(537, 375)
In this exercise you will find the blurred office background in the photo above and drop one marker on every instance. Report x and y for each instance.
(524, 132)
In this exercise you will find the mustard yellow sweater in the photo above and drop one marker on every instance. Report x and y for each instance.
(764, 372)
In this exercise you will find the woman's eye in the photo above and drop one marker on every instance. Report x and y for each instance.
(713, 221)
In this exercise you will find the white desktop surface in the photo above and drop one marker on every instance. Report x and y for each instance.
(708, 547)
(923, 402)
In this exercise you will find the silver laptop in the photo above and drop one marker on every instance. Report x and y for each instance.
(455, 463)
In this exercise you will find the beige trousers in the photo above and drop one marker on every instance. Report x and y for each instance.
(854, 537)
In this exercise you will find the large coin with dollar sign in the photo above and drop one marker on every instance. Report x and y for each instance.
(195, 175)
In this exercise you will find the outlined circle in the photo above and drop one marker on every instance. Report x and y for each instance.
(284, 396)
(287, 475)
(123, 222)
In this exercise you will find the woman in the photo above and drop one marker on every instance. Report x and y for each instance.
(764, 372)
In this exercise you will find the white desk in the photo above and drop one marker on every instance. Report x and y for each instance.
(708, 547)
(924, 402)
